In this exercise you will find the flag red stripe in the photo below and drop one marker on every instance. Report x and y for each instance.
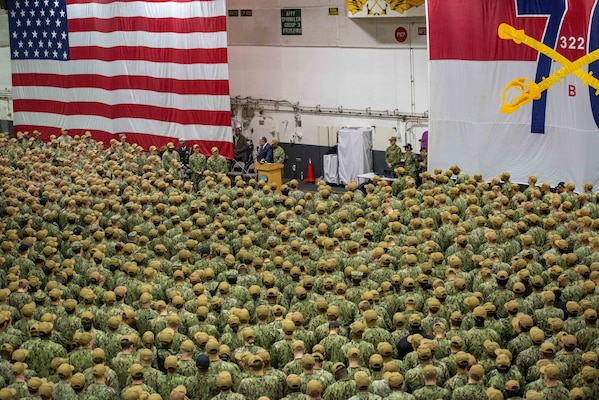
(148, 112)
(162, 85)
(458, 30)
(139, 53)
(157, 25)
(142, 139)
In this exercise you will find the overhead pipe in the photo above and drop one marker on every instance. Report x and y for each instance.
(286, 106)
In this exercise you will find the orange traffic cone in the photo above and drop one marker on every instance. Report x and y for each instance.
(310, 178)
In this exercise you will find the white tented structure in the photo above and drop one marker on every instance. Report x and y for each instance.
(330, 165)
(354, 150)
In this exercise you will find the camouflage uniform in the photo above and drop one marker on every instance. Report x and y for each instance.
(332, 345)
(393, 155)
(376, 336)
(537, 385)
(469, 392)
(305, 336)
(379, 386)
(143, 387)
(200, 386)
(228, 395)
(555, 393)
(324, 377)
(254, 387)
(351, 371)
(281, 353)
(102, 392)
(167, 157)
(217, 164)
(187, 367)
(528, 358)
(151, 377)
(569, 364)
(168, 382)
(45, 351)
(519, 343)
(20, 388)
(81, 359)
(542, 316)
(63, 390)
(411, 164)
(278, 155)
(112, 348)
(432, 392)
(120, 364)
(219, 366)
(475, 338)
(499, 297)
(296, 396)
(112, 380)
(456, 381)
(197, 165)
(265, 337)
(365, 396)
(585, 336)
(340, 390)
(399, 395)
(414, 377)
(348, 311)
(498, 379)
(366, 350)
(293, 367)
(590, 390)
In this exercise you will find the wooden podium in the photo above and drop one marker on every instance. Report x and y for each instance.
(270, 173)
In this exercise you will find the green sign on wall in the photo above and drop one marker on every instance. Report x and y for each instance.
(291, 21)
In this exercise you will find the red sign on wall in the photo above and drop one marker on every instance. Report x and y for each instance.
(401, 34)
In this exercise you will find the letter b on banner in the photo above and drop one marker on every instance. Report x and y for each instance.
(571, 90)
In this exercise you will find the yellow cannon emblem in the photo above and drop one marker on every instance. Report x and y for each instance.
(528, 90)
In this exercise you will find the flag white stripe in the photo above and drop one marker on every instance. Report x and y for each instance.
(134, 97)
(143, 9)
(161, 40)
(132, 68)
(135, 125)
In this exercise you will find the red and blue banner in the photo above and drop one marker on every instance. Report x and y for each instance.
(513, 88)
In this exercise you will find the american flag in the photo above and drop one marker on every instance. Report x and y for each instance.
(155, 70)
